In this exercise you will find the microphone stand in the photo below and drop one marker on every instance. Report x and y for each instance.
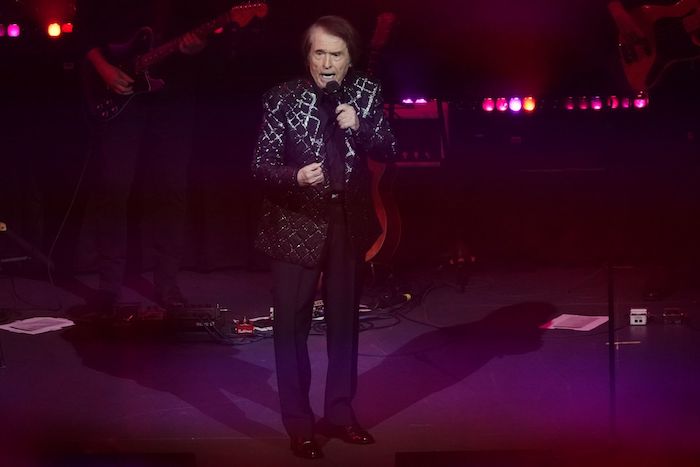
(32, 252)
(30, 249)
(611, 351)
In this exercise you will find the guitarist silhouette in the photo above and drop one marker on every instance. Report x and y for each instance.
(654, 40)
(655, 37)
(137, 128)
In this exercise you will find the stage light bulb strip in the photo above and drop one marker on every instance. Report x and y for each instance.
(530, 104)
(15, 30)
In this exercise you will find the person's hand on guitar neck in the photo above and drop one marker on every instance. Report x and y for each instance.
(191, 44)
(114, 78)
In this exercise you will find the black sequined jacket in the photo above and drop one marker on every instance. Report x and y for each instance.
(294, 222)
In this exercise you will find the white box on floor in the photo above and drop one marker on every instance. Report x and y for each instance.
(638, 316)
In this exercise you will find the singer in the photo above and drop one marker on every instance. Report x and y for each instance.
(318, 221)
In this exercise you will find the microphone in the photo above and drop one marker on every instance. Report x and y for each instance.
(332, 90)
(332, 94)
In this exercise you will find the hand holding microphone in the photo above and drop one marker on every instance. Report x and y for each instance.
(347, 117)
(345, 114)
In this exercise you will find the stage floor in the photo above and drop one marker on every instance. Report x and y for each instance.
(461, 374)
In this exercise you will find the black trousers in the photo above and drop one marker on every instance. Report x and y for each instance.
(294, 292)
(153, 134)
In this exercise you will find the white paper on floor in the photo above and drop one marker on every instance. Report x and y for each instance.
(575, 322)
(37, 325)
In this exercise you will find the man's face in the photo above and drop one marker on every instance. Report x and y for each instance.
(328, 58)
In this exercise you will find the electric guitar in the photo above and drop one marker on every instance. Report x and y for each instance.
(137, 55)
(652, 38)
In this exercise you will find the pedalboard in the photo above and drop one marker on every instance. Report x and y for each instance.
(185, 317)
(668, 315)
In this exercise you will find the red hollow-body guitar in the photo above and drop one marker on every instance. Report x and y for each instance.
(664, 35)
(136, 56)
(383, 175)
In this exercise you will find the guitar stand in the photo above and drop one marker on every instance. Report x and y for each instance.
(611, 350)
(458, 263)
(379, 273)
(462, 267)
(384, 286)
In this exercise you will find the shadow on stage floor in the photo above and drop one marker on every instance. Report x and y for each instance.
(460, 374)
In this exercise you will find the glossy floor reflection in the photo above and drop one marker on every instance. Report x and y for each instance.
(455, 376)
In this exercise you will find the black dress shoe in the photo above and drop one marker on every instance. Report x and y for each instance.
(306, 448)
(353, 434)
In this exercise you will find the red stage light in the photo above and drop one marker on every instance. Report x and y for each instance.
(569, 103)
(501, 104)
(596, 103)
(67, 27)
(613, 102)
(641, 101)
(487, 104)
(583, 103)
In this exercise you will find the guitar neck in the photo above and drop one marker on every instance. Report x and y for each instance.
(373, 60)
(382, 29)
(163, 51)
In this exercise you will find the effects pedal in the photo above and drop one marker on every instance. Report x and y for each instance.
(243, 326)
(638, 316)
(674, 316)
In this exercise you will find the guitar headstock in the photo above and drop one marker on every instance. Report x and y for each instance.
(244, 14)
(382, 29)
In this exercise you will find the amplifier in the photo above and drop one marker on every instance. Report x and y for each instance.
(421, 132)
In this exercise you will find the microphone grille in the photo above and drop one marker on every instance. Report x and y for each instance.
(332, 87)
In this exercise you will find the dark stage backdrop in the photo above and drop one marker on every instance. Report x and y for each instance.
(554, 187)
